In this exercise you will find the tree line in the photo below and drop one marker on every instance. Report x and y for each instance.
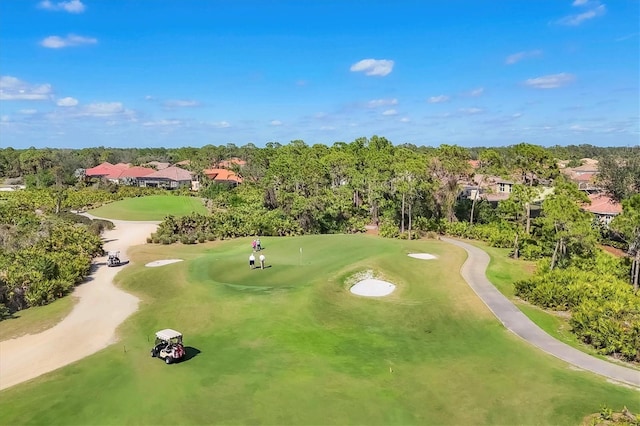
(407, 192)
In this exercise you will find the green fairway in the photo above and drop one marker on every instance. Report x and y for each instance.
(152, 207)
(291, 345)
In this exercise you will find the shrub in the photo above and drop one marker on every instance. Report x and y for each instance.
(388, 230)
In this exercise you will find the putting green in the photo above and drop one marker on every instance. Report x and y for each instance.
(152, 207)
(291, 345)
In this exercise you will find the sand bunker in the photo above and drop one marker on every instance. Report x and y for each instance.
(373, 288)
(156, 263)
(423, 256)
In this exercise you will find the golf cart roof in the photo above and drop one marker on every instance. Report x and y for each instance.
(168, 334)
(114, 253)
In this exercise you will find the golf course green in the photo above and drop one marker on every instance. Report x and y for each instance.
(151, 207)
(291, 345)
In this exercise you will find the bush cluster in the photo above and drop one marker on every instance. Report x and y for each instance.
(49, 268)
(605, 310)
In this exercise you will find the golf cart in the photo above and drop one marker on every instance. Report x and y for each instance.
(168, 346)
(113, 258)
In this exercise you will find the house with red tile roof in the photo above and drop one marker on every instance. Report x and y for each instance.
(172, 177)
(227, 164)
(603, 207)
(105, 169)
(223, 176)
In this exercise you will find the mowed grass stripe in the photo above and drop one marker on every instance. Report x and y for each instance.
(150, 208)
(291, 345)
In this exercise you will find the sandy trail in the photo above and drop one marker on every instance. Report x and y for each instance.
(90, 326)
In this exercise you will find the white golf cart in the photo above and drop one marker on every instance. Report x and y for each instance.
(168, 346)
(113, 258)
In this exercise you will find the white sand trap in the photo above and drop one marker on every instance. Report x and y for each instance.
(156, 263)
(423, 256)
(372, 288)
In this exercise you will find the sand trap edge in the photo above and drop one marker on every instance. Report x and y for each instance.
(422, 256)
(157, 263)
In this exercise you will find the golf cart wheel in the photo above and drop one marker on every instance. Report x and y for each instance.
(168, 360)
(153, 353)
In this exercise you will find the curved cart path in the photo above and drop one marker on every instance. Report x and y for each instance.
(473, 271)
(90, 326)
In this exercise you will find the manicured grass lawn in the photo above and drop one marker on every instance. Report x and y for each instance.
(291, 345)
(152, 207)
(36, 319)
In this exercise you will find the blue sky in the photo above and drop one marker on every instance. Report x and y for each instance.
(171, 73)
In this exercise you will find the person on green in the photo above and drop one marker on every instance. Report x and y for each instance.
(252, 261)
(262, 261)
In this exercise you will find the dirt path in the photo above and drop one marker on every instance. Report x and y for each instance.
(90, 326)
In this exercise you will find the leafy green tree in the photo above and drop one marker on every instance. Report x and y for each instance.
(627, 225)
(532, 163)
(620, 175)
(566, 224)
(448, 167)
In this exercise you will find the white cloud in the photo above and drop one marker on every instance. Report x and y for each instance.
(28, 111)
(381, 102)
(380, 67)
(471, 111)
(14, 89)
(477, 92)
(56, 42)
(517, 57)
(578, 128)
(221, 124)
(438, 99)
(71, 6)
(162, 123)
(276, 123)
(579, 2)
(405, 119)
(67, 102)
(551, 81)
(577, 19)
(180, 103)
(390, 112)
(104, 109)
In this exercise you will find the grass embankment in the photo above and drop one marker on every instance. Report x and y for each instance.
(291, 345)
(503, 271)
(36, 319)
(152, 207)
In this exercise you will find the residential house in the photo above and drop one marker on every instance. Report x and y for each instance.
(231, 162)
(603, 207)
(106, 170)
(171, 178)
(585, 176)
(132, 175)
(223, 176)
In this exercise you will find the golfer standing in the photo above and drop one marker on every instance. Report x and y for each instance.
(262, 261)
(252, 261)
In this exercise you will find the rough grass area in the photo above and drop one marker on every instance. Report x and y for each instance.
(291, 345)
(152, 207)
(36, 319)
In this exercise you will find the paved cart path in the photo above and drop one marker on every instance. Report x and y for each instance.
(92, 323)
(474, 272)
